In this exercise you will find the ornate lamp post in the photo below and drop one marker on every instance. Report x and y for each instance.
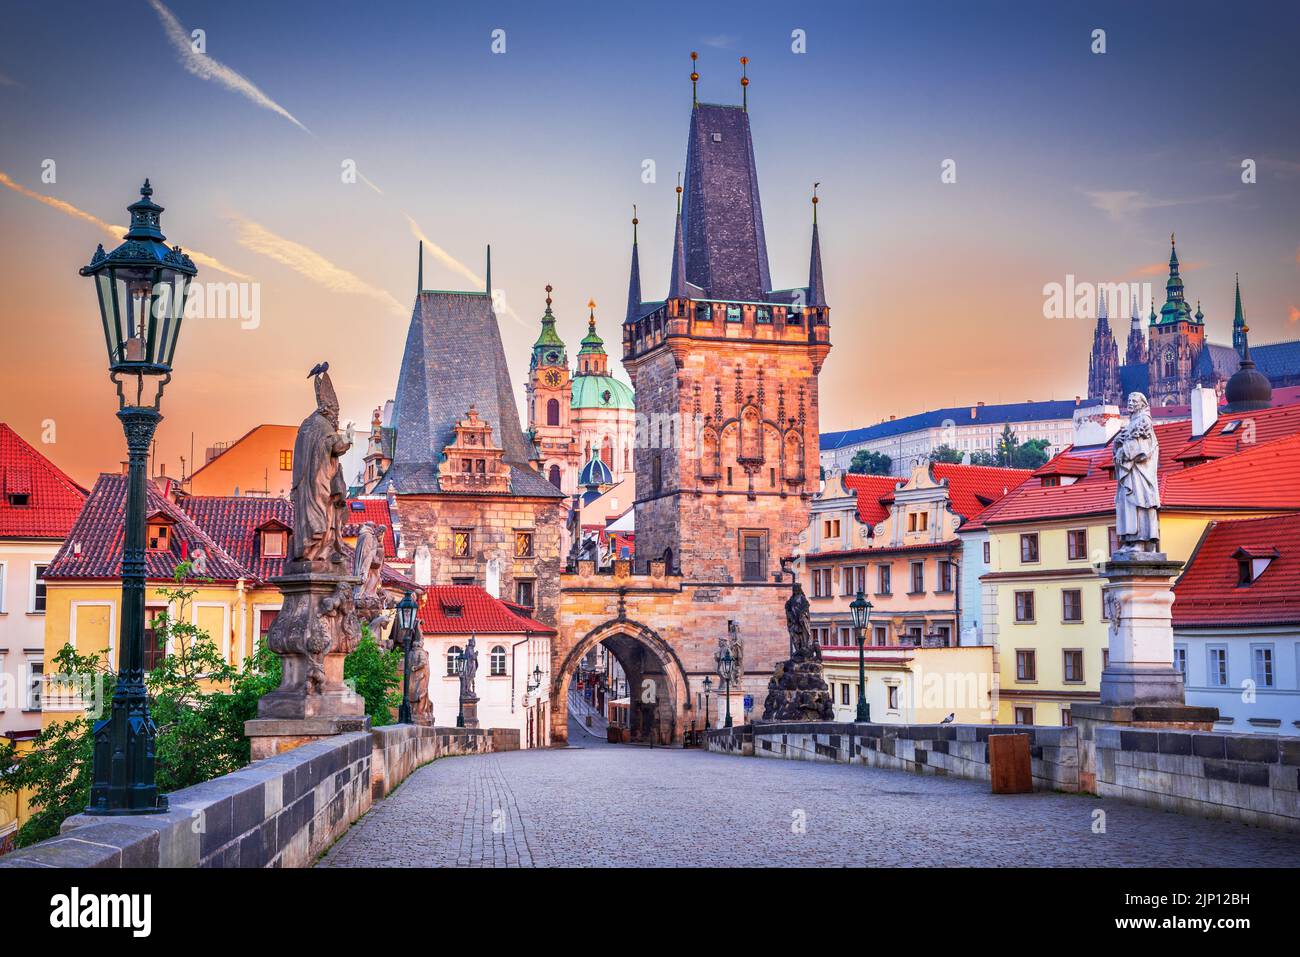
(141, 287)
(861, 609)
(406, 609)
(726, 661)
(708, 686)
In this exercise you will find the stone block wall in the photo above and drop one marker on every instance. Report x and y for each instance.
(283, 811)
(1251, 778)
(960, 750)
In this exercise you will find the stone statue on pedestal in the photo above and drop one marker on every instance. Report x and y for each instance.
(320, 493)
(468, 669)
(1137, 488)
(797, 690)
(368, 565)
(421, 704)
(733, 671)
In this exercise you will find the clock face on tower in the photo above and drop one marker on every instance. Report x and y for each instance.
(552, 378)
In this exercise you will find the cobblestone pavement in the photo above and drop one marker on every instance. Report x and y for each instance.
(617, 805)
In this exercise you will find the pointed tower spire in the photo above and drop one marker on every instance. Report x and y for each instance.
(592, 359)
(695, 78)
(1238, 322)
(744, 83)
(677, 281)
(634, 278)
(549, 349)
(489, 271)
(1103, 310)
(419, 275)
(1175, 307)
(816, 287)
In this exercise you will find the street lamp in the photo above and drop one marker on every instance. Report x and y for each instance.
(708, 686)
(726, 661)
(406, 635)
(861, 609)
(141, 287)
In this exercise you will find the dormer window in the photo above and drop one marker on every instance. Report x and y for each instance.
(19, 499)
(274, 543)
(1252, 562)
(160, 537)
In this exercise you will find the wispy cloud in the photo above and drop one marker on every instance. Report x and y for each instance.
(115, 232)
(311, 264)
(722, 41)
(1123, 206)
(454, 264)
(206, 68)
(1161, 268)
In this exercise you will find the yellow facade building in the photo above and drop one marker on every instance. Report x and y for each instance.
(259, 463)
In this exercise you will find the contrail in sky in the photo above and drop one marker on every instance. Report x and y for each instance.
(451, 262)
(206, 68)
(113, 231)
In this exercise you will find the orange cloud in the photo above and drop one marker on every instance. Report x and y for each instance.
(1161, 269)
(1295, 314)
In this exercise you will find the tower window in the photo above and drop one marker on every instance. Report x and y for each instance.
(753, 556)
(553, 412)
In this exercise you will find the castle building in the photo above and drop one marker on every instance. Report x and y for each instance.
(1174, 356)
(725, 369)
(572, 415)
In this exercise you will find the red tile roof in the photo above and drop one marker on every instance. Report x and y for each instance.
(479, 613)
(53, 498)
(1070, 465)
(870, 489)
(93, 547)
(372, 509)
(1207, 593)
(972, 488)
(233, 522)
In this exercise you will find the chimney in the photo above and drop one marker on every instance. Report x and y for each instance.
(1095, 425)
(891, 418)
(126, 466)
(492, 577)
(1205, 410)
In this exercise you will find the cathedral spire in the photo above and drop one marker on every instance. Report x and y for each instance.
(1103, 311)
(744, 83)
(419, 275)
(549, 348)
(677, 281)
(1175, 308)
(695, 78)
(489, 271)
(634, 279)
(1238, 322)
(816, 286)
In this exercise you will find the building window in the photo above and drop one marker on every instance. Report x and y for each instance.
(822, 636)
(454, 663)
(1262, 663)
(265, 617)
(1073, 665)
(524, 592)
(1026, 665)
(1076, 543)
(831, 528)
(763, 314)
(461, 542)
(38, 588)
(918, 521)
(988, 557)
(497, 661)
(844, 694)
(1071, 604)
(892, 698)
(657, 472)
(882, 580)
(286, 460)
(945, 576)
(155, 637)
(1024, 606)
(855, 579)
(918, 578)
(822, 583)
(1217, 666)
(554, 475)
(1180, 659)
(753, 556)
(523, 543)
(4, 572)
(552, 411)
(733, 313)
(1029, 548)
(880, 635)
(1025, 716)
(159, 537)
(1067, 719)
(35, 680)
(1112, 540)
(273, 544)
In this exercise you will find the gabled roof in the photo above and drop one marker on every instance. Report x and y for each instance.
(233, 522)
(372, 508)
(454, 359)
(54, 499)
(961, 415)
(1207, 593)
(93, 547)
(870, 490)
(972, 488)
(479, 613)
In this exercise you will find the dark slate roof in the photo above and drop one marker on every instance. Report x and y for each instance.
(1133, 378)
(454, 359)
(1278, 360)
(1215, 361)
(984, 415)
(726, 250)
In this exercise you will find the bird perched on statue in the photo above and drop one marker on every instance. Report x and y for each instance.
(952, 716)
(318, 368)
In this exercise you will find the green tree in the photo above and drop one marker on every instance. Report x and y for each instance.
(376, 675)
(1007, 445)
(983, 458)
(946, 453)
(866, 462)
(1031, 454)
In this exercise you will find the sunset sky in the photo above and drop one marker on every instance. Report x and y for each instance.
(1068, 162)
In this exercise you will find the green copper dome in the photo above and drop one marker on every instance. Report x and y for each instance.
(601, 392)
(549, 349)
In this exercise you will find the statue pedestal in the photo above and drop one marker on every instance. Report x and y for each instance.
(797, 691)
(1140, 687)
(313, 633)
(469, 707)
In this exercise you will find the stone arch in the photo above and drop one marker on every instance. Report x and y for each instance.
(622, 635)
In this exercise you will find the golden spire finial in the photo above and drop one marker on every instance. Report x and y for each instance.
(695, 78)
(591, 316)
(814, 202)
(744, 82)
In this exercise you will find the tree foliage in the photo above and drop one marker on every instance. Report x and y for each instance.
(946, 454)
(866, 462)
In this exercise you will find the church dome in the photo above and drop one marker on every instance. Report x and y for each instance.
(1248, 388)
(601, 392)
(595, 472)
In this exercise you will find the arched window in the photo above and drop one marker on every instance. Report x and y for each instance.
(498, 660)
(553, 412)
(453, 661)
(554, 475)
(607, 452)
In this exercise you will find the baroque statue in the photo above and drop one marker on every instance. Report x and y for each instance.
(368, 565)
(797, 612)
(421, 705)
(319, 490)
(731, 643)
(1137, 488)
(469, 667)
(797, 690)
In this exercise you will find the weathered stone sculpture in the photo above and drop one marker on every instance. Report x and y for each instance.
(797, 689)
(368, 565)
(421, 704)
(732, 670)
(1137, 489)
(318, 623)
(468, 699)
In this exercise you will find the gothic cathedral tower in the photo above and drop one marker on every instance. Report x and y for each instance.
(725, 371)
(1103, 364)
(1176, 339)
